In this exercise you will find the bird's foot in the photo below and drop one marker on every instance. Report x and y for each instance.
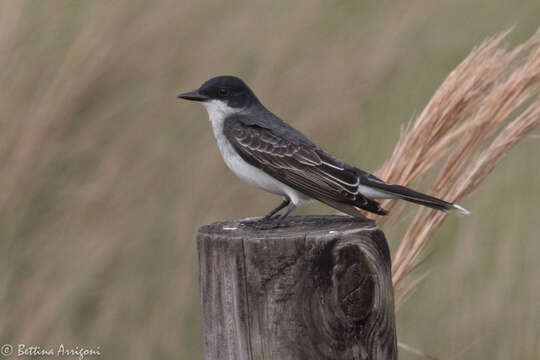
(269, 225)
(252, 221)
(264, 223)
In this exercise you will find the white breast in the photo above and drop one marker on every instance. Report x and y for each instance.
(218, 111)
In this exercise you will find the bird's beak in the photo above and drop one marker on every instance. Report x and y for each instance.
(193, 96)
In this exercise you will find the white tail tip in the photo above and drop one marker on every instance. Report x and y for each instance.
(461, 210)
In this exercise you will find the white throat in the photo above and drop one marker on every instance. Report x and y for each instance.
(218, 111)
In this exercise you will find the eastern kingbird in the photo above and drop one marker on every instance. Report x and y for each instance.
(263, 150)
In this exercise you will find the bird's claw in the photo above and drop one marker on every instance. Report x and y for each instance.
(264, 223)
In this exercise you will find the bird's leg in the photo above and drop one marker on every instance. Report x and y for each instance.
(290, 209)
(276, 221)
(286, 201)
(270, 216)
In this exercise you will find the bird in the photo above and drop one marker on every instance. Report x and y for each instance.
(265, 151)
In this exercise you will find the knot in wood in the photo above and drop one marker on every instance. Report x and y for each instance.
(318, 288)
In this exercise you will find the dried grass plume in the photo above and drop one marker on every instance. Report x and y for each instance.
(488, 104)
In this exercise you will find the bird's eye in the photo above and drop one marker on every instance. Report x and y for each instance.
(223, 91)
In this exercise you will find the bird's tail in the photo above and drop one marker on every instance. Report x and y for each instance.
(401, 192)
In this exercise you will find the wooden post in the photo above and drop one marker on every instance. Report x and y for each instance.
(319, 288)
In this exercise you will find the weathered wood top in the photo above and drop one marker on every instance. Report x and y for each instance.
(292, 227)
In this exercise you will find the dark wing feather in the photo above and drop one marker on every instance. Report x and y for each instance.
(300, 164)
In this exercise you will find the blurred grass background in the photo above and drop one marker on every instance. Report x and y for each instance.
(105, 175)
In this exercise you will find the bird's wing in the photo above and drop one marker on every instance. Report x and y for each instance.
(299, 164)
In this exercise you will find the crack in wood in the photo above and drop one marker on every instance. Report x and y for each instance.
(319, 288)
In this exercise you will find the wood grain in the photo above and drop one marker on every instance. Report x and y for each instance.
(318, 288)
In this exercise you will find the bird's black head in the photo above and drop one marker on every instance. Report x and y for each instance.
(229, 89)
